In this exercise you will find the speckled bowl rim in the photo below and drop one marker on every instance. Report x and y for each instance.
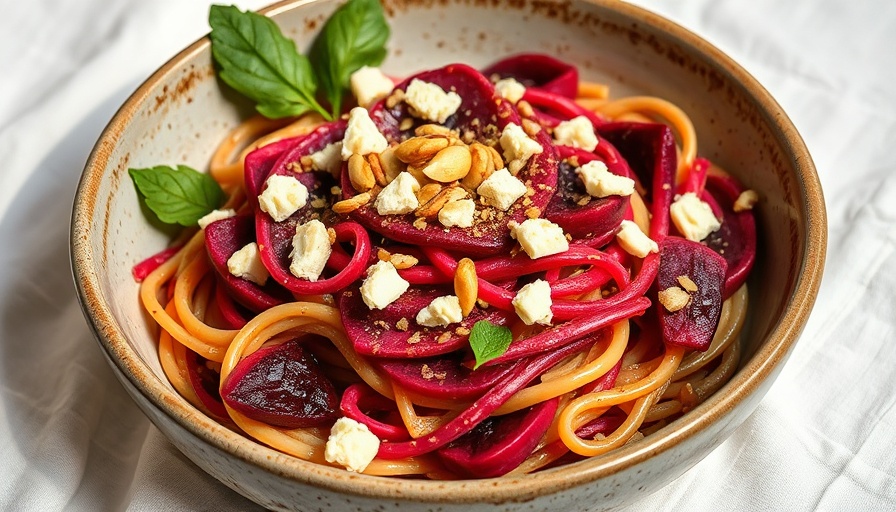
(770, 355)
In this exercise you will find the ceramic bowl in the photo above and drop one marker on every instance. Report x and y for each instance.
(181, 112)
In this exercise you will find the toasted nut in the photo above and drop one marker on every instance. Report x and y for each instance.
(359, 173)
(331, 234)
(531, 127)
(418, 150)
(351, 204)
(432, 129)
(383, 255)
(395, 98)
(390, 164)
(376, 168)
(745, 201)
(525, 109)
(497, 160)
(428, 191)
(449, 164)
(673, 298)
(481, 166)
(430, 210)
(466, 286)
(686, 283)
(406, 124)
(417, 173)
(402, 261)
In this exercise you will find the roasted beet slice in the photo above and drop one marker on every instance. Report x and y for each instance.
(694, 325)
(499, 444)
(591, 220)
(444, 376)
(283, 386)
(538, 70)
(393, 331)
(259, 164)
(735, 240)
(482, 116)
(222, 239)
(204, 379)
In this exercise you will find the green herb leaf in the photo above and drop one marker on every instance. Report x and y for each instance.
(489, 341)
(260, 62)
(354, 36)
(177, 196)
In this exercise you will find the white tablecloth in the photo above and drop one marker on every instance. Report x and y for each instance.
(824, 438)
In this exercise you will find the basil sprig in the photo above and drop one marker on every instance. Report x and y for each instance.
(489, 341)
(257, 60)
(180, 195)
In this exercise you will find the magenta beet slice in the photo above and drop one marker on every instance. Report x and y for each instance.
(374, 332)
(538, 70)
(499, 444)
(222, 239)
(204, 381)
(595, 221)
(260, 163)
(484, 114)
(735, 240)
(282, 385)
(694, 325)
(443, 376)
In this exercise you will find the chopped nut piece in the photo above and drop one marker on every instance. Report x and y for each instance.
(395, 98)
(746, 200)
(418, 150)
(383, 255)
(432, 129)
(402, 324)
(449, 164)
(430, 210)
(406, 124)
(360, 174)
(466, 285)
(351, 204)
(390, 164)
(403, 261)
(686, 283)
(673, 298)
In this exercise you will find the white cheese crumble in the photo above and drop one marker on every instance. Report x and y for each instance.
(399, 196)
(501, 189)
(533, 303)
(310, 250)
(246, 264)
(214, 215)
(578, 132)
(517, 146)
(361, 135)
(282, 196)
(351, 444)
(634, 241)
(429, 101)
(328, 159)
(441, 312)
(693, 217)
(383, 285)
(539, 237)
(600, 182)
(510, 89)
(458, 213)
(369, 85)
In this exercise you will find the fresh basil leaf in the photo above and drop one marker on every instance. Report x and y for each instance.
(354, 36)
(177, 196)
(489, 341)
(257, 60)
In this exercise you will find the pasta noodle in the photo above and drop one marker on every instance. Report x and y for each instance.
(610, 379)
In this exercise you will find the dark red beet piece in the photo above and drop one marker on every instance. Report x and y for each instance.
(596, 220)
(735, 240)
(374, 332)
(443, 377)
(222, 239)
(485, 114)
(538, 70)
(204, 381)
(283, 386)
(360, 402)
(499, 444)
(694, 325)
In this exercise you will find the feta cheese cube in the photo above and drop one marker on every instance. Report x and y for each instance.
(399, 196)
(246, 264)
(310, 250)
(441, 312)
(539, 237)
(634, 241)
(600, 182)
(429, 101)
(533, 303)
(501, 189)
(369, 85)
(518, 146)
(362, 136)
(282, 196)
(458, 213)
(510, 89)
(578, 132)
(383, 285)
(351, 444)
(693, 217)
(328, 159)
(214, 215)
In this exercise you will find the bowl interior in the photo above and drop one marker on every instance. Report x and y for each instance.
(181, 113)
